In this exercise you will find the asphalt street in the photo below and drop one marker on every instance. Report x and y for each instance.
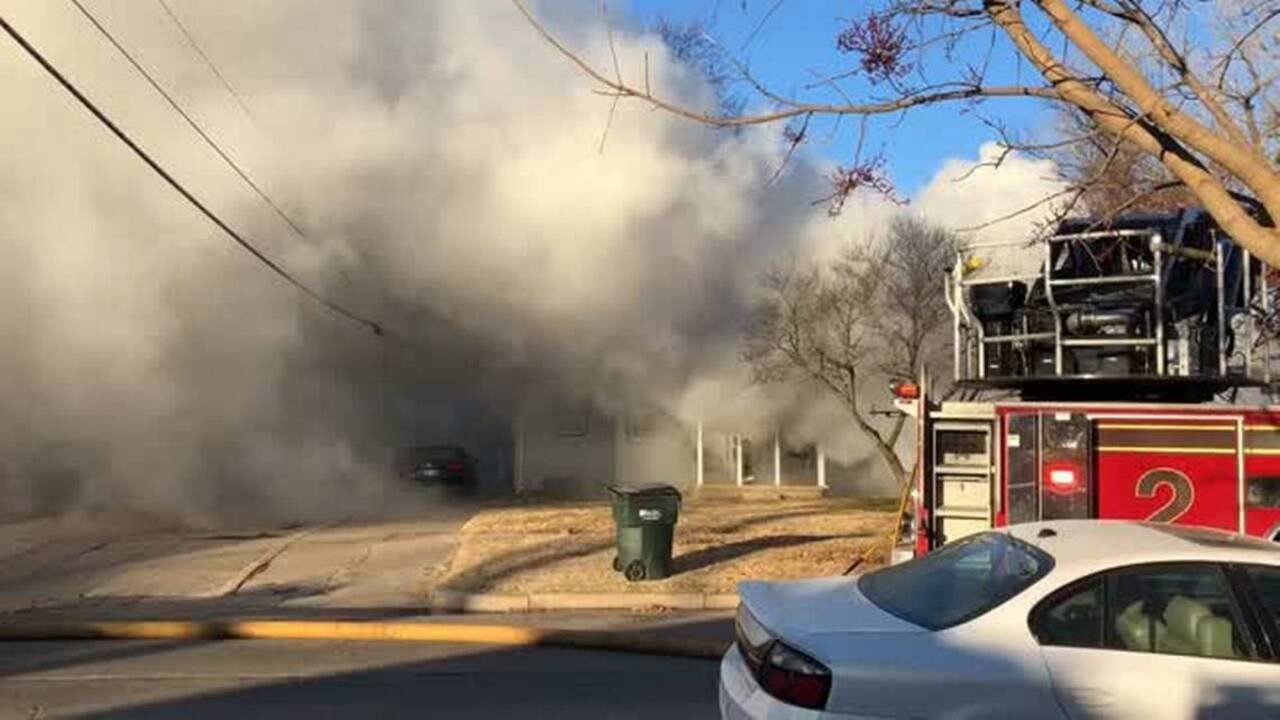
(321, 679)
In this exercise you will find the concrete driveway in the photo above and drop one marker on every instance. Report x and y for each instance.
(104, 562)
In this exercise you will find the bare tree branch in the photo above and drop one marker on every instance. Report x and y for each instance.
(1216, 141)
(614, 88)
(760, 25)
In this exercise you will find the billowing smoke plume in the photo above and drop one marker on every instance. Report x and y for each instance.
(447, 167)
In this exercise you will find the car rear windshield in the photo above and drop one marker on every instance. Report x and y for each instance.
(957, 582)
(415, 456)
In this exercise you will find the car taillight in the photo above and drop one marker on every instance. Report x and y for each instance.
(795, 678)
(455, 467)
(1062, 477)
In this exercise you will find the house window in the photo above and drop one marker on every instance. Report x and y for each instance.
(573, 419)
(806, 456)
(641, 425)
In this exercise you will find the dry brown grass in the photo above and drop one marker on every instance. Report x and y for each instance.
(569, 547)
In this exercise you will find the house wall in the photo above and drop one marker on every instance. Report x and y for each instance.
(570, 464)
(664, 456)
(718, 460)
(612, 451)
(861, 475)
(864, 477)
(628, 452)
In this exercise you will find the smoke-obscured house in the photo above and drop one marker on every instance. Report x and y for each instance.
(573, 447)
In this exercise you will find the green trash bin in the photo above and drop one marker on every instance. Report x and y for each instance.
(646, 521)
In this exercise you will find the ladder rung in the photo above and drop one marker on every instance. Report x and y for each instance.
(974, 512)
(1106, 342)
(1114, 280)
(1102, 234)
(1020, 337)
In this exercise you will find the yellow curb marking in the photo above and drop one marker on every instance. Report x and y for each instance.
(650, 642)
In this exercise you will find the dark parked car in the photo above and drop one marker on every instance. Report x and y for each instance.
(448, 466)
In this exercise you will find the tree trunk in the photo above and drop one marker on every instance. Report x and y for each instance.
(888, 455)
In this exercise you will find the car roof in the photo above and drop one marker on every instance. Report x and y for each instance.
(1089, 545)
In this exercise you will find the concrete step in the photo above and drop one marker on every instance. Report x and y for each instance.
(753, 491)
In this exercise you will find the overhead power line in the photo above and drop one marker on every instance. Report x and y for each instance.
(191, 40)
(191, 122)
(240, 240)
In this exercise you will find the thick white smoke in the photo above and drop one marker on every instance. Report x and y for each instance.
(447, 166)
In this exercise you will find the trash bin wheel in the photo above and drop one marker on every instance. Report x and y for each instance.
(617, 564)
(635, 571)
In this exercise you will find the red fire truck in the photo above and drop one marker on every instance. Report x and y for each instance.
(1104, 372)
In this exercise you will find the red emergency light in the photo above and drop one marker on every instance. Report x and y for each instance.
(1063, 477)
(905, 390)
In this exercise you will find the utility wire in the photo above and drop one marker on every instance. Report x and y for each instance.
(240, 240)
(191, 40)
(190, 121)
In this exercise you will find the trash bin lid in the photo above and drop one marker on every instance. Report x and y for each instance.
(654, 490)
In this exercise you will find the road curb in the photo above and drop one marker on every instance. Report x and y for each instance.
(456, 601)
(628, 641)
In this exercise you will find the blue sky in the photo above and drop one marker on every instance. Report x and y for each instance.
(800, 37)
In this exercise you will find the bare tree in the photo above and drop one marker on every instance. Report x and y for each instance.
(1113, 179)
(1189, 102)
(873, 312)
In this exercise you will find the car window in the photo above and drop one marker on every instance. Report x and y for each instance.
(411, 458)
(1263, 492)
(1176, 609)
(957, 582)
(1267, 581)
(1072, 617)
(438, 454)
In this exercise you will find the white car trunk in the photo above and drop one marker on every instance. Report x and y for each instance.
(816, 607)
(884, 666)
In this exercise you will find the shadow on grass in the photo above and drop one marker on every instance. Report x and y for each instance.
(731, 551)
(487, 574)
(750, 522)
(728, 552)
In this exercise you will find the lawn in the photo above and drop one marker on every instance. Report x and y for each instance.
(569, 547)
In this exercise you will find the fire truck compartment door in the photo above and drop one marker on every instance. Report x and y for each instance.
(961, 477)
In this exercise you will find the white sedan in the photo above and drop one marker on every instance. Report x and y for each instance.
(1068, 619)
